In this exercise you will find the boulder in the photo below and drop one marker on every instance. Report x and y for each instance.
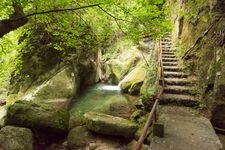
(59, 103)
(59, 86)
(16, 138)
(110, 125)
(134, 80)
(79, 137)
(82, 138)
(118, 67)
(121, 108)
(38, 117)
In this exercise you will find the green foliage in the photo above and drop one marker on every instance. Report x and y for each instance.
(9, 57)
(79, 32)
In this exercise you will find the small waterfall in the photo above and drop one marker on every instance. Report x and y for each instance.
(109, 88)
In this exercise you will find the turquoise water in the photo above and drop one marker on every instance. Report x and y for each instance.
(99, 98)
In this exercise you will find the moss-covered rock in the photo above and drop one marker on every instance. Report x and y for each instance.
(16, 138)
(82, 138)
(59, 86)
(110, 125)
(134, 80)
(79, 137)
(118, 67)
(38, 117)
(121, 108)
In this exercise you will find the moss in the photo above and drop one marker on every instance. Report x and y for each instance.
(120, 67)
(134, 80)
(79, 137)
(202, 35)
(16, 138)
(38, 117)
(110, 125)
(60, 86)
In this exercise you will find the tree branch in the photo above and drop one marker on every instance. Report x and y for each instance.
(112, 15)
(54, 11)
(120, 27)
(18, 18)
(6, 25)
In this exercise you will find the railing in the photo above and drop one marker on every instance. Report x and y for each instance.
(152, 114)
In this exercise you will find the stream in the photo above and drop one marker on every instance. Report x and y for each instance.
(101, 98)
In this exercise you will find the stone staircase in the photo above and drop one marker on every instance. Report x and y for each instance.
(179, 87)
(183, 129)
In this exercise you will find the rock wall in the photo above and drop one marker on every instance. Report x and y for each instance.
(200, 36)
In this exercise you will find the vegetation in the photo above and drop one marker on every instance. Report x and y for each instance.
(63, 27)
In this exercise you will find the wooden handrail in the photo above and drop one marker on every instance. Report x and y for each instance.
(153, 110)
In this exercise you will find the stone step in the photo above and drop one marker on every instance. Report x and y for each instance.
(169, 59)
(168, 56)
(170, 63)
(176, 89)
(166, 43)
(177, 81)
(172, 68)
(166, 39)
(166, 47)
(170, 74)
(178, 100)
(168, 53)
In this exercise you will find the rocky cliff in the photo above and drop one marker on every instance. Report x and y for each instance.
(200, 36)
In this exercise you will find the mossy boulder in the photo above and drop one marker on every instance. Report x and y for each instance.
(134, 80)
(16, 138)
(60, 86)
(118, 67)
(121, 108)
(79, 137)
(82, 138)
(110, 125)
(38, 117)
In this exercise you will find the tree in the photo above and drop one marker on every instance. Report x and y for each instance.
(75, 28)
(134, 15)
(7, 25)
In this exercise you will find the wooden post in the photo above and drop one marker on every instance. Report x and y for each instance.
(158, 130)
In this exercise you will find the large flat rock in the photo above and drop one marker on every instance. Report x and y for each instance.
(38, 117)
(185, 131)
(110, 125)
